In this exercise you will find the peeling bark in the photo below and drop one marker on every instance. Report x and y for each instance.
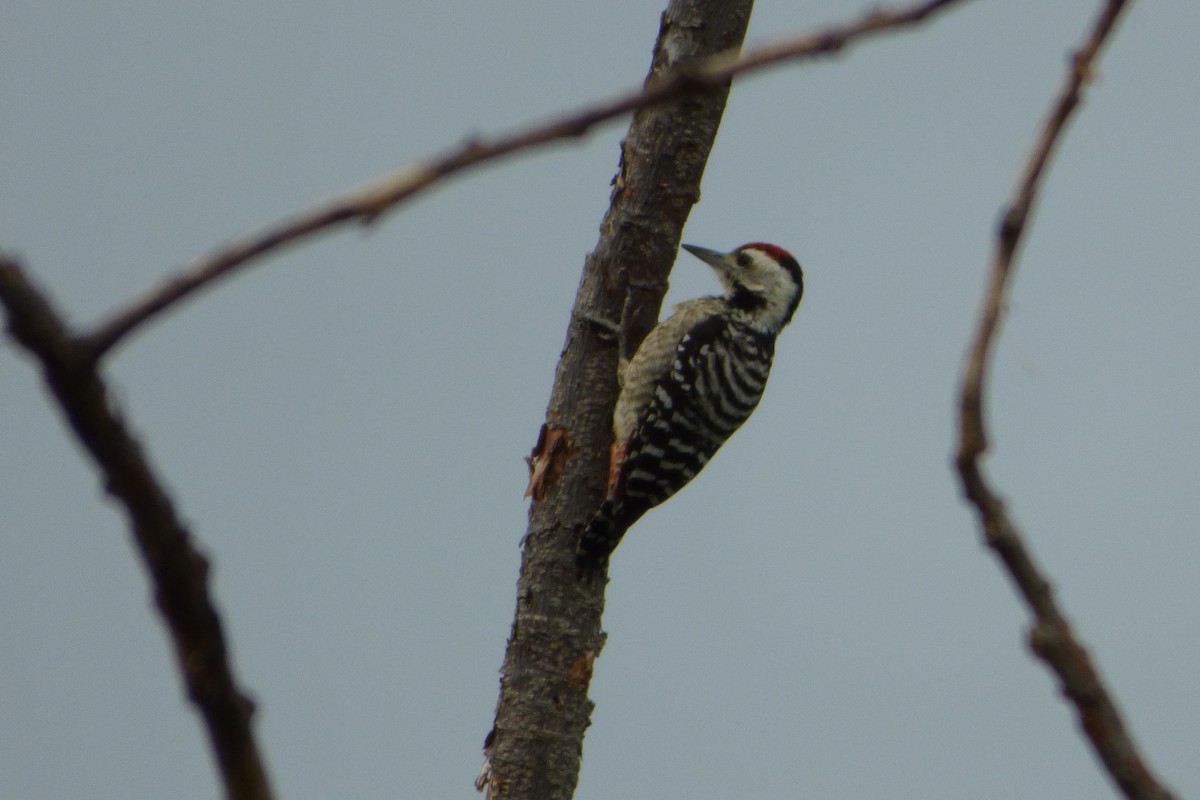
(535, 748)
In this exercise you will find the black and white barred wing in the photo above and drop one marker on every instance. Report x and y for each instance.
(716, 380)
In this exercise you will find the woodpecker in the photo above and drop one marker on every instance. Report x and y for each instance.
(695, 379)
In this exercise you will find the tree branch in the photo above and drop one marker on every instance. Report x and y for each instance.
(368, 203)
(1050, 638)
(536, 744)
(179, 572)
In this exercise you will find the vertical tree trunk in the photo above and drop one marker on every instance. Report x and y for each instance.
(543, 711)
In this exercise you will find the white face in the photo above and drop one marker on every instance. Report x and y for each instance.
(756, 270)
(761, 274)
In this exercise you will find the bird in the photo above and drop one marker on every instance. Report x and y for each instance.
(696, 377)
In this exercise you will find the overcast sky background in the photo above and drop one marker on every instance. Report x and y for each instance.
(344, 426)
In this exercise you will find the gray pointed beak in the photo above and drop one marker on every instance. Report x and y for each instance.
(711, 257)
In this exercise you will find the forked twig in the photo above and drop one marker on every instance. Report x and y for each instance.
(178, 570)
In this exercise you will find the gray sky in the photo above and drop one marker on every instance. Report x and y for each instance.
(344, 427)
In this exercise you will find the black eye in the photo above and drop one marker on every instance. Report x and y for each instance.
(743, 260)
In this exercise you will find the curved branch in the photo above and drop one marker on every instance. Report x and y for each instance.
(1051, 637)
(368, 203)
(178, 570)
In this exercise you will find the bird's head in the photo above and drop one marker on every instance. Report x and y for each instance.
(763, 280)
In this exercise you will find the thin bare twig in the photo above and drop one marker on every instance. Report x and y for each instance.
(366, 204)
(179, 572)
(1050, 638)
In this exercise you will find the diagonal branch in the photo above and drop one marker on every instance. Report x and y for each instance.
(368, 203)
(178, 570)
(1051, 637)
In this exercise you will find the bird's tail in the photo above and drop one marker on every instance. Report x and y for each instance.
(598, 541)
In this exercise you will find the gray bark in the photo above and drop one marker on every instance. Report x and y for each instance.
(543, 711)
